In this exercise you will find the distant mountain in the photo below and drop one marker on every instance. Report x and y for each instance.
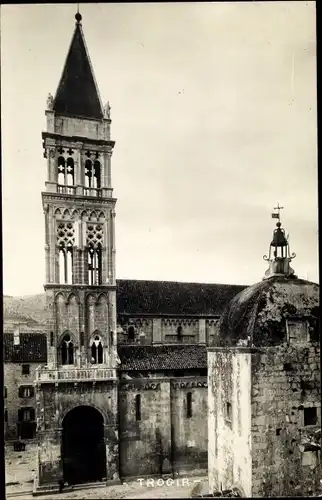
(29, 310)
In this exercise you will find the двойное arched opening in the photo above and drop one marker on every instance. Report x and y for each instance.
(83, 447)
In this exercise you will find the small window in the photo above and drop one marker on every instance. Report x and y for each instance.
(26, 392)
(179, 332)
(297, 331)
(82, 338)
(25, 369)
(228, 412)
(6, 416)
(131, 333)
(310, 416)
(189, 404)
(5, 392)
(26, 414)
(51, 338)
(138, 407)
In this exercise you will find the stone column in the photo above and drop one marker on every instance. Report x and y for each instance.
(202, 331)
(156, 331)
(79, 172)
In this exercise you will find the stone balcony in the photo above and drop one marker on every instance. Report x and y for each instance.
(72, 374)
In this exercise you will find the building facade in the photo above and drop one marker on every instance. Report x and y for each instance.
(264, 399)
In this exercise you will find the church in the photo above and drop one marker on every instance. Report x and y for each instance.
(113, 381)
(113, 378)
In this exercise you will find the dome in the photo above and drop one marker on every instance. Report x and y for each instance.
(257, 315)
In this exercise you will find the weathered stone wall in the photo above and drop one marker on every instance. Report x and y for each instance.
(189, 332)
(285, 380)
(13, 379)
(140, 450)
(72, 126)
(189, 433)
(140, 324)
(53, 404)
(229, 443)
(164, 440)
(211, 331)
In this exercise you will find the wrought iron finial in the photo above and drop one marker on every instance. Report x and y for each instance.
(78, 16)
(277, 215)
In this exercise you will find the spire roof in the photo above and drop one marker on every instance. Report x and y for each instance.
(77, 92)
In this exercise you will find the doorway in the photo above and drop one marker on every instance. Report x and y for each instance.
(83, 447)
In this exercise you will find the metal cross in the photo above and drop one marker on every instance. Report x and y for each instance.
(278, 208)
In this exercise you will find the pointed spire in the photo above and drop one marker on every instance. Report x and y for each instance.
(279, 262)
(77, 92)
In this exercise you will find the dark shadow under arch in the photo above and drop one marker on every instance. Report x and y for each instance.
(83, 447)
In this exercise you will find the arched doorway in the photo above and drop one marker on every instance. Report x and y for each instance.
(83, 448)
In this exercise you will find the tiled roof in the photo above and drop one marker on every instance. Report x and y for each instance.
(171, 297)
(32, 348)
(162, 357)
(77, 92)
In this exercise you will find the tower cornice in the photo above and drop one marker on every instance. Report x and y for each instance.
(79, 139)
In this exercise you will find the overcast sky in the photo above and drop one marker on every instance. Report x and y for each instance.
(214, 118)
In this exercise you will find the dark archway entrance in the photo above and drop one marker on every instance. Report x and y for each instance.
(83, 448)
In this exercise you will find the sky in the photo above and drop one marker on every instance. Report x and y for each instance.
(214, 114)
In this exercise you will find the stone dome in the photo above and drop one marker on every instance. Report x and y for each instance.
(257, 315)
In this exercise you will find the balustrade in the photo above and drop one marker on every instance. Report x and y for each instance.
(74, 374)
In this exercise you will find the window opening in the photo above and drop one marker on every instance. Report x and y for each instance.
(310, 416)
(131, 333)
(97, 351)
(67, 351)
(25, 369)
(189, 405)
(138, 407)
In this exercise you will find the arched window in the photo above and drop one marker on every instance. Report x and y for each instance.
(189, 405)
(65, 173)
(65, 264)
(97, 174)
(138, 407)
(97, 350)
(51, 338)
(88, 174)
(70, 174)
(94, 265)
(61, 170)
(67, 350)
(179, 332)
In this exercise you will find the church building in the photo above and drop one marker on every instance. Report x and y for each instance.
(123, 391)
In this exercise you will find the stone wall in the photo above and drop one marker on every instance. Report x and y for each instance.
(285, 381)
(13, 379)
(163, 440)
(53, 403)
(229, 420)
(159, 330)
(189, 432)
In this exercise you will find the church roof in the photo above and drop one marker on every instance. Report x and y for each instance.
(171, 297)
(162, 357)
(32, 348)
(77, 92)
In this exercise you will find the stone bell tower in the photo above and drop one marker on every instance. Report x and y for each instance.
(80, 283)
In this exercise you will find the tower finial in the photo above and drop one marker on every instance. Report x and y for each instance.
(78, 16)
(279, 262)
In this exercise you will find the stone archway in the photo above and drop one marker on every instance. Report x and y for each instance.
(83, 448)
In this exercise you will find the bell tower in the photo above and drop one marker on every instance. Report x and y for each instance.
(80, 286)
